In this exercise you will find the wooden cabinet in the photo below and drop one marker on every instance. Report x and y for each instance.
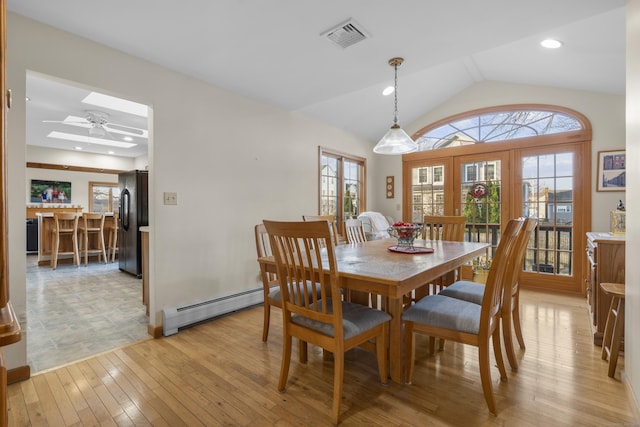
(605, 257)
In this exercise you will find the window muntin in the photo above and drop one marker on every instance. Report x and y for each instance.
(497, 126)
(341, 179)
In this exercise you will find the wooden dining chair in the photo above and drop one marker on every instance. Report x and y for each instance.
(354, 231)
(326, 321)
(465, 322)
(331, 220)
(92, 223)
(270, 283)
(474, 292)
(111, 231)
(437, 227)
(65, 224)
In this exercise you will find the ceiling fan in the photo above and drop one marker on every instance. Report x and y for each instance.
(99, 125)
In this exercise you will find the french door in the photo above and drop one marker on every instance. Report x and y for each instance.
(553, 189)
(545, 181)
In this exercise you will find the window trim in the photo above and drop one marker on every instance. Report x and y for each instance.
(101, 184)
(341, 156)
(578, 134)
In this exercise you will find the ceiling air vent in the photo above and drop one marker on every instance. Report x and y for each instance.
(346, 34)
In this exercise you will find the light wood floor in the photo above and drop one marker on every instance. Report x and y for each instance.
(220, 373)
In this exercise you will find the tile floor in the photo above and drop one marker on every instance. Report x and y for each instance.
(74, 313)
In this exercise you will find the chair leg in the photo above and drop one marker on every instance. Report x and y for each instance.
(497, 351)
(104, 252)
(617, 337)
(265, 323)
(485, 376)
(507, 334)
(286, 361)
(302, 351)
(517, 327)
(338, 376)
(86, 248)
(54, 255)
(76, 251)
(432, 345)
(608, 330)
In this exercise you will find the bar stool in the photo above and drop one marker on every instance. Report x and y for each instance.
(613, 331)
(111, 230)
(92, 223)
(64, 224)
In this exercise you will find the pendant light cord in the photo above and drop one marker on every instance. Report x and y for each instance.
(395, 96)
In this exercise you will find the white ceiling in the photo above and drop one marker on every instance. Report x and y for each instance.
(273, 51)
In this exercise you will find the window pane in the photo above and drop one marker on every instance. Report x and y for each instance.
(101, 196)
(427, 188)
(548, 194)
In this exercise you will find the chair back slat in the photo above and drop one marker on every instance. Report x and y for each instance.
(443, 227)
(354, 231)
(303, 259)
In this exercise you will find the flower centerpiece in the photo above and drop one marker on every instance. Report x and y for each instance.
(405, 232)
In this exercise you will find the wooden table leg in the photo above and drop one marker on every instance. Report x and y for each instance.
(395, 339)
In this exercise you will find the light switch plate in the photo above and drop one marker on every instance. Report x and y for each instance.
(170, 198)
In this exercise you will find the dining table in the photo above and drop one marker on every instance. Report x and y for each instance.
(377, 266)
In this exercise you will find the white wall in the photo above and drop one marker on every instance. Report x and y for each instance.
(233, 161)
(632, 272)
(605, 112)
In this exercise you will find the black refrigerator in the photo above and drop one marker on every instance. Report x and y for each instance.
(134, 213)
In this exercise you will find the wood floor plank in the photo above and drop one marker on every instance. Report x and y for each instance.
(66, 408)
(47, 400)
(221, 373)
(96, 405)
(17, 414)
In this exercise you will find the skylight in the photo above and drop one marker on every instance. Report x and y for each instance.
(90, 140)
(118, 104)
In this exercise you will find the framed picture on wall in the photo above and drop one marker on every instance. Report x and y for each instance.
(611, 171)
(43, 191)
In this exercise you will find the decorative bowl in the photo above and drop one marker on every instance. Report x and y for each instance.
(404, 232)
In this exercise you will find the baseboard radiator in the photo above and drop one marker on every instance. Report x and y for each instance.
(179, 317)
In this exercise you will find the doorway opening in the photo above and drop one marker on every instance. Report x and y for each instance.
(80, 136)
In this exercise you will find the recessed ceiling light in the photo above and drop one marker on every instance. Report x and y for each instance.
(551, 43)
(118, 104)
(128, 138)
(387, 91)
(111, 152)
(77, 148)
(90, 140)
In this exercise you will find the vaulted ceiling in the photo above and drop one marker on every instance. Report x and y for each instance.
(275, 51)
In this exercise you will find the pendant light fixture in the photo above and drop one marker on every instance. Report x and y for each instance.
(395, 141)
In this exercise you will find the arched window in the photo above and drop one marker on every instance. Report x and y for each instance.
(497, 124)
